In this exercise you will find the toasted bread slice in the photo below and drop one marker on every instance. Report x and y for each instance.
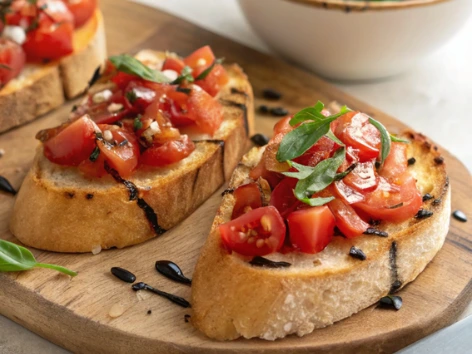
(58, 209)
(231, 298)
(40, 88)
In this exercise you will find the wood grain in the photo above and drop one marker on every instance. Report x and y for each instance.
(74, 313)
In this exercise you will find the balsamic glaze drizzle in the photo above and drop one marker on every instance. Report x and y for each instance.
(174, 298)
(123, 274)
(267, 263)
(96, 75)
(5, 186)
(133, 195)
(396, 283)
(172, 271)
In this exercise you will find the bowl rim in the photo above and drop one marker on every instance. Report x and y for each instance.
(352, 5)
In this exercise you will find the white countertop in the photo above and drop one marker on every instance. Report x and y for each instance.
(431, 98)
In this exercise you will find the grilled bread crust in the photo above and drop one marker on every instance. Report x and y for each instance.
(58, 209)
(231, 298)
(40, 88)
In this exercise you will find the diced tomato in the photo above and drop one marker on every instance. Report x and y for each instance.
(12, 60)
(165, 131)
(170, 152)
(73, 144)
(347, 220)
(122, 154)
(51, 29)
(282, 196)
(202, 57)
(311, 229)
(261, 171)
(214, 81)
(247, 197)
(122, 79)
(93, 168)
(108, 111)
(355, 130)
(386, 203)
(172, 63)
(259, 232)
(283, 126)
(138, 97)
(205, 110)
(347, 193)
(82, 10)
(321, 150)
(363, 178)
(396, 163)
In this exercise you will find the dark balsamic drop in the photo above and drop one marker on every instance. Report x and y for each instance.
(391, 301)
(271, 94)
(5, 186)
(263, 109)
(374, 231)
(186, 318)
(411, 161)
(423, 214)
(279, 112)
(459, 215)
(260, 139)
(173, 298)
(427, 196)
(267, 263)
(357, 253)
(123, 274)
(172, 271)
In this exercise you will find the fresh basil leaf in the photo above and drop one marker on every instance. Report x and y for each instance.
(137, 124)
(334, 138)
(94, 155)
(185, 75)
(299, 140)
(15, 258)
(319, 106)
(205, 72)
(317, 201)
(130, 65)
(309, 113)
(322, 176)
(341, 175)
(131, 96)
(395, 139)
(385, 141)
(303, 171)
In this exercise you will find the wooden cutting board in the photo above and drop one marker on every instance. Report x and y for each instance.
(74, 313)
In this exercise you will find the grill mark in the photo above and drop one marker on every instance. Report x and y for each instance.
(227, 191)
(396, 284)
(239, 92)
(195, 181)
(243, 108)
(221, 143)
(133, 195)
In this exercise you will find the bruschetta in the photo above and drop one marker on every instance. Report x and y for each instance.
(49, 50)
(155, 137)
(328, 218)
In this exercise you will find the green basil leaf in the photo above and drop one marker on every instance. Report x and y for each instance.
(137, 124)
(185, 75)
(309, 113)
(15, 258)
(334, 138)
(348, 170)
(130, 65)
(395, 139)
(303, 171)
(299, 140)
(322, 176)
(205, 72)
(317, 201)
(385, 141)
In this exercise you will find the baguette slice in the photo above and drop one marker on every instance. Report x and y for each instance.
(58, 209)
(231, 298)
(40, 88)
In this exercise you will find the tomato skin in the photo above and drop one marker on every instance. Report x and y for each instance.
(170, 152)
(311, 229)
(172, 63)
(321, 150)
(355, 130)
(378, 206)
(396, 162)
(13, 57)
(282, 196)
(247, 197)
(202, 57)
(82, 10)
(123, 159)
(266, 224)
(73, 144)
(347, 220)
(363, 178)
(348, 194)
(206, 111)
(214, 81)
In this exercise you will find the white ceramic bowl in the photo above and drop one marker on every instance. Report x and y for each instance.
(356, 40)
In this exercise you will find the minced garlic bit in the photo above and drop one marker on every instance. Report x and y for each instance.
(102, 96)
(107, 135)
(116, 310)
(171, 74)
(115, 107)
(15, 33)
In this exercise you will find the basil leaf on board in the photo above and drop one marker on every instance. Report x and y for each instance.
(385, 141)
(395, 139)
(15, 258)
(322, 176)
(130, 65)
(205, 72)
(185, 74)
